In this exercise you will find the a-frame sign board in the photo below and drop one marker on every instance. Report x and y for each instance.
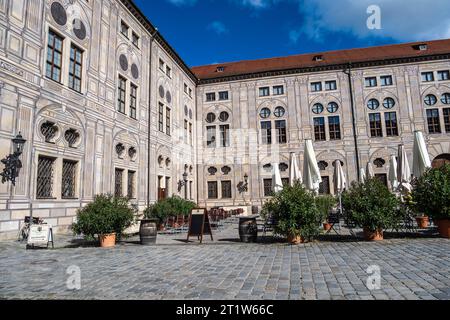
(199, 224)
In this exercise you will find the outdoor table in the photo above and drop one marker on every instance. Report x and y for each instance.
(248, 228)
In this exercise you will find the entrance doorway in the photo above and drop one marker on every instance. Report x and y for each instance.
(441, 160)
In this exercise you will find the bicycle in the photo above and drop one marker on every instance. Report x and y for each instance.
(25, 229)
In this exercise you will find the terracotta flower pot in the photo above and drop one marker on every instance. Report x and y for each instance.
(444, 227)
(107, 240)
(373, 236)
(423, 222)
(327, 226)
(295, 239)
(161, 227)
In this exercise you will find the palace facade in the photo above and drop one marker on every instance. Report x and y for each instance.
(107, 106)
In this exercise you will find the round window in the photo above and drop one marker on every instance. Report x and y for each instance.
(210, 117)
(373, 104)
(389, 103)
(430, 100)
(265, 113)
(332, 107)
(279, 112)
(445, 98)
(223, 116)
(317, 108)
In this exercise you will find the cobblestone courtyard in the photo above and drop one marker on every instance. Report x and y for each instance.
(226, 269)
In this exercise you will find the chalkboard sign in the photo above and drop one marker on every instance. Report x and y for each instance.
(199, 224)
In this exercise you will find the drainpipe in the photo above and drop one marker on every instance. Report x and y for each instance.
(149, 160)
(348, 72)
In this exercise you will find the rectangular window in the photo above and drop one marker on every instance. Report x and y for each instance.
(54, 56)
(226, 190)
(118, 190)
(434, 125)
(447, 119)
(135, 39)
(319, 129)
(131, 185)
(124, 29)
(211, 137)
(223, 95)
(330, 85)
(191, 137)
(212, 190)
(185, 88)
(371, 82)
(324, 187)
(211, 96)
(161, 117)
(161, 64)
(391, 124)
(45, 173)
(285, 182)
(168, 71)
(69, 174)
(190, 92)
(133, 101)
(443, 75)
(168, 132)
(316, 86)
(280, 127)
(225, 135)
(278, 90)
(122, 88)
(427, 76)
(186, 131)
(266, 132)
(191, 196)
(335, 128)
(264, 92)
(386, 81)
(375, 125)
(267, 183)
(75, 68)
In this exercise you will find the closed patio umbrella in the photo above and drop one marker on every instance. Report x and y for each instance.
(421, 158)
(362, 175)
(403, 169)
(294, 172)
(311, 171)
(393, 173)
(277, 183)
(340, 182)
(369, 171)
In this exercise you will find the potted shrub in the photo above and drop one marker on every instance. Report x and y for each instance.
(431, 194)
(423, 221)
(325, 204)
(371, 206)
(170, 207)
(296, 213)
(107, 218)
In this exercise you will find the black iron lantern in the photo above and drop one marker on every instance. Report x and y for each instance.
(185, 177)
(18, 144)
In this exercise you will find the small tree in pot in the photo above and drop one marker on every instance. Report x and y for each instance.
(431, 194)
(325, 204)
(295, 212)
(372, 207)
(107, 218)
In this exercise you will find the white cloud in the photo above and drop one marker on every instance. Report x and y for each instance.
(183, 2)
(218, 27)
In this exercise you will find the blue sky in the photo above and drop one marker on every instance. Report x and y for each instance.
(215, 31)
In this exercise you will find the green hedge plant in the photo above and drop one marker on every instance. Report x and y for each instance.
(325, 204)
(371, 205)
(431, 193)
(170, 207)
(105, 215)
(295, 211)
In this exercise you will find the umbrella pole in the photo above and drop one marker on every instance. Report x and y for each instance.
(340, 209)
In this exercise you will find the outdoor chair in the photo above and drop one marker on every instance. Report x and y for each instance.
(334, 220)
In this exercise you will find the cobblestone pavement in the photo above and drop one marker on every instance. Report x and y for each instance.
(226, 269)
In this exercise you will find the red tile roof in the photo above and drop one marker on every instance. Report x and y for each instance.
(389, 52)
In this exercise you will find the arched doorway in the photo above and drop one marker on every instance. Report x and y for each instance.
(441, 160)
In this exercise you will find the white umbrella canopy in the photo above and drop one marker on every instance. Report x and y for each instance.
(362, 175)
(311, 171)
(277, 183)
(369, 171)
(393, 173)
(294, 171)
(340, 182)
(403, 169)
(421, 158)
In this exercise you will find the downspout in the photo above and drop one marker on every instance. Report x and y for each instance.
(149, 161)
(348, 72)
